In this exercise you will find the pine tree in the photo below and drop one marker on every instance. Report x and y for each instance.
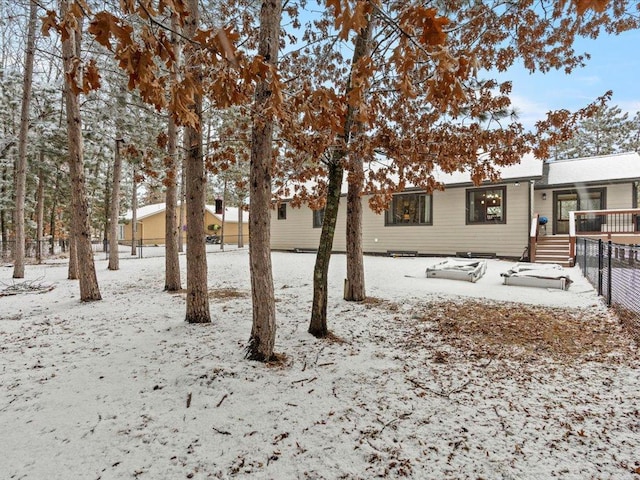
(606, 132)
(21, 170)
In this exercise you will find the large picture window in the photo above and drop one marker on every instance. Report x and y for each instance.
(410, 209)
(487, 205)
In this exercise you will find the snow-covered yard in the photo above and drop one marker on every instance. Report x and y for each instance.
(428, 379)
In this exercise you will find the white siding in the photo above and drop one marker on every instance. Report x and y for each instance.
(448, 234)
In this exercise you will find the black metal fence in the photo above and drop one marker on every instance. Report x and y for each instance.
(33, 249)
(147, 247)
(614, 270)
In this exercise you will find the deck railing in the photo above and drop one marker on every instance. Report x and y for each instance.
(602, 222)
(533, 237)
(607, 221)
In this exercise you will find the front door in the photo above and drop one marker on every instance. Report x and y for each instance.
(572, 200)
(564, 203)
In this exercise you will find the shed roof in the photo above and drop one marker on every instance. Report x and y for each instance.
(230, 216)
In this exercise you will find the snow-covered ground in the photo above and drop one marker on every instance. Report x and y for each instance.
(429, 379)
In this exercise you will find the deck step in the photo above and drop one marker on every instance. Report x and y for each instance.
(553, 249)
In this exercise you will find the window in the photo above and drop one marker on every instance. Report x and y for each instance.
(566, 201)
(282, 211)
(410, 209)
(318, 218)
(487, 205)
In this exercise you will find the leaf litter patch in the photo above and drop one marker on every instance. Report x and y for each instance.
(224, 294)
(524, 332)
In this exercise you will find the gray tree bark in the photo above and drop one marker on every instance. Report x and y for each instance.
(114, 255)
(81, 233)
(240, 226)
(197, 292)
(181, 209)
(21, 167)
(354, 287)
(263, 330)
(134, 213)
(40, 212)
(172, 228)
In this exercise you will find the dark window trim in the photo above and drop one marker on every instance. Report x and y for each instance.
(467, 210)
(636, 190)
(601, 190)
(410, 192)
(316, 221)
(282, 211)
(556, 193)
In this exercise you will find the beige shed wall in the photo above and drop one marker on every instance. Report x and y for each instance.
(230, 227)
(151, 229)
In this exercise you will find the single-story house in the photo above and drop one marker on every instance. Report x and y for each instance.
(151, 224)
(493, 219)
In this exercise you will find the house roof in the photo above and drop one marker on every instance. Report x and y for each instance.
(230, 216)
(529, 167)
(146, 211)
(603, 168)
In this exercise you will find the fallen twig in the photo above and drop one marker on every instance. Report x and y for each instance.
(441, 393)
(304, 380)
(222, 400)
(31, 286)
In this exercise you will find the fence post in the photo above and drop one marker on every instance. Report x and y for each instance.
(609, 282)
(584, 262)
(600, 261)
(140, 248)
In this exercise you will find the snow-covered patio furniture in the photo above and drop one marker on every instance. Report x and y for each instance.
(468, 269)
(543, 275)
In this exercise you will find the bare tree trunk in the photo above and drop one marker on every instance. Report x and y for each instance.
(354, 289)
(107, 209)
(114, 255)
(181, 215)
(263, 330)
(21, 170)
(54, 208)
(134, 212)
(318, 324)
(240, 225)
(197, 292)
(224, 209)
(172, 225)
(81, 233)
(40, 212)
(73, 257)
(3, 222)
